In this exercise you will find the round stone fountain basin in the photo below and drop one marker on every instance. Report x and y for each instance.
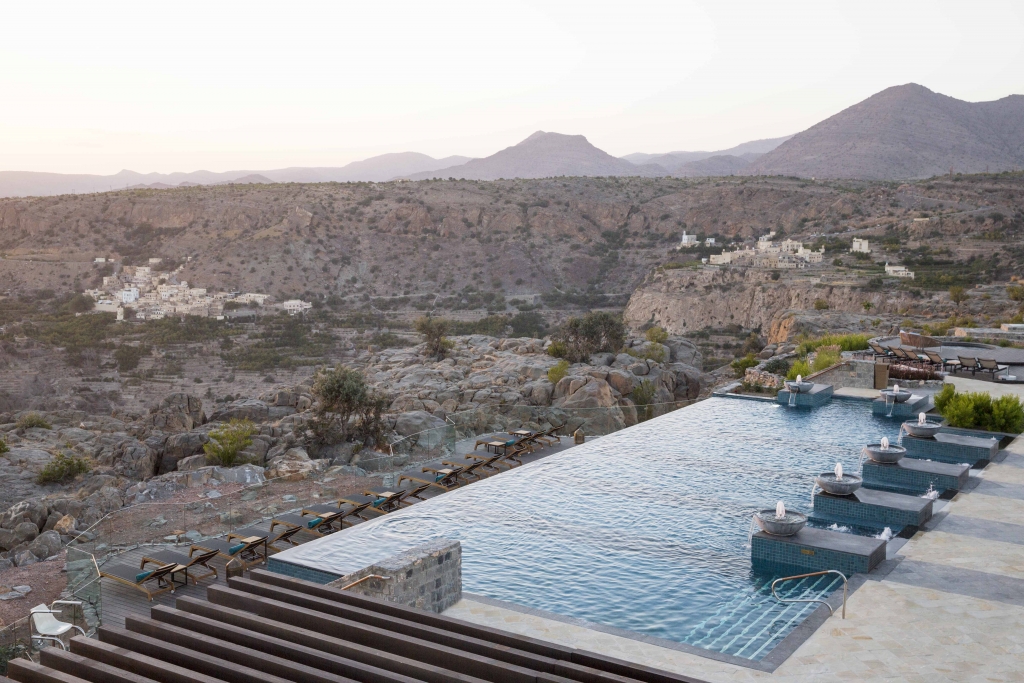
(799, 387)
(838, 487)
(785, 526)
(885, 455)
(897, 396)
(928, 429)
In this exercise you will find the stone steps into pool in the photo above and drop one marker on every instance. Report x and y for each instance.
(871, 507)
(917, 403)
(914, 477)
(819, 395)
(813, 549)
(952, 448)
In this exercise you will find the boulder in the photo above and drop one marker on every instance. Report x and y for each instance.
(46, 544)
(180, 446)
(65, 526)
(133, 459)
(600, 359)
(24, 558)
(32, 510)
(539, 393)
(178, 412)
(25, 532)
(683, 351)
(594, 394)
(192, 463)
(424, 429)
(8, 539)
(293, 465)
(244, 409)
(622, 382)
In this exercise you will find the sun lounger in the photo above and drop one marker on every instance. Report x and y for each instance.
(879, 351)
(968, 364)
(387, 500)
(487, 463)
(989, 365)
(282, 536)
(546, 438)
(444, 478)
(906, 356)
(472, 469)
(942, 363)
(138, 579)
(191, 562)
(415, 490)
(369, 501)
(249, 551)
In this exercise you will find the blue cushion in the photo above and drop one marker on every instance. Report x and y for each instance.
(142, 576)
(377, 503)
(235, 548)
(510, 442)
(314, 523)
(438, 477)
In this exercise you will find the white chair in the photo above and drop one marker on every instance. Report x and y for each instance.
(47, 627)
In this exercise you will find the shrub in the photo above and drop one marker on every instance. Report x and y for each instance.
(826, 358)
(777, 366)
(4, 448)
(656, 334)
(800, 367)
(435, 331)
(740, 365)
(897, 371)
(820, 305)
(972, 410)
(63, 468)
(654, 351)
(227, 443)
(590, 334)
(557, 349)
(642, 395)
(342, 394)
(845, 342)
(30, 420)
(558, 371)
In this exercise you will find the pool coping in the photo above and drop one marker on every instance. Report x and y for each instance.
(772, 661)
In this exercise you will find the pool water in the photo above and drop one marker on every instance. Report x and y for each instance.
(644, 530)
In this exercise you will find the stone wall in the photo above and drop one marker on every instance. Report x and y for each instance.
(428, 577)
(765, 379)
(858, 374)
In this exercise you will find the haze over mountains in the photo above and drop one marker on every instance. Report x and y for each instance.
(903, 132)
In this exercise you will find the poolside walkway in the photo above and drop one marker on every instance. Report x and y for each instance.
(952, 610)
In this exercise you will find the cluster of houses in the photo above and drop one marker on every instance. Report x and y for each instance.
(767, 254)
(156, 294)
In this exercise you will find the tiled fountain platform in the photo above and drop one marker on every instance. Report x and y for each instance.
(951, 448)
(819, 395)
(815, 550)
(914, 476)
(917, 403)
(874, 508)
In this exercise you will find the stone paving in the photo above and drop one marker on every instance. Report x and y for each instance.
(951, 610)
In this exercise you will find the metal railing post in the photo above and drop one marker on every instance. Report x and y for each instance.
(804, 576)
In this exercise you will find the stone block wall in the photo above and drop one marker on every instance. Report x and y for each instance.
(428, 577)
(858, 374)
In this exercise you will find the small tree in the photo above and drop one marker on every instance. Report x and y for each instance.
(656, 334)
(341, 395)
(558, 371)
(227, 442)
(590, 334)
(435, 331)
(1016, 293)
(957, 295)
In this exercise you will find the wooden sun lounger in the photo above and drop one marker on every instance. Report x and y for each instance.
(189, 562)
(132, 576)
(281, 536)
(367, 502)
(990, 365)
(444, 478)
(471, 469)
(245, 550)
(547, 437)
(879, 351)
(968, 364)
(415, 490)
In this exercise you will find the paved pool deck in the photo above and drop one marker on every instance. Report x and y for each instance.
(950, 610)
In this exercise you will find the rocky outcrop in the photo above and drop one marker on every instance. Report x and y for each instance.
(292, 465)
(244, 409)
(180, 446)
(177, 413)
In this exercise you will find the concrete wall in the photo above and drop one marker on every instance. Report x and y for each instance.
(858, 374)
(428, 577)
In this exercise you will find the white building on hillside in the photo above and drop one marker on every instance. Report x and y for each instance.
(687, 241)
(129, 295)
(899, 271)
(860, 246)
(293, 306)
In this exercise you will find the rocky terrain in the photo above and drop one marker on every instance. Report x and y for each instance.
(904, 132)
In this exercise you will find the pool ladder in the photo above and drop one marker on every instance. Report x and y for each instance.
(804, 576)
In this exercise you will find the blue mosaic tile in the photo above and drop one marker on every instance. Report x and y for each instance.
(912, 480)
(299, 572)
(818, 396)
(951, 448)
(916, 512)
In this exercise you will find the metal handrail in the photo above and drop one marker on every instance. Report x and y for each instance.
(804, 576)
(365, 578)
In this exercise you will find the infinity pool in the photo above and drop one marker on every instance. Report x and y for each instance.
(643, 530)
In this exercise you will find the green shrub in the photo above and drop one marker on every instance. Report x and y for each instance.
(656, 334)
(800, 367)
(655, 352)
(227, 442)
(435, 331)
(4, 448)
(740, 365)
(558, 371)
(820, 305)
(591, 333)
(825, 360)
(63, 468)
(845, 342)
(30, 420)
(9, 652)
(642, 395)
(128, 357)
(557, 349)
(777, 366)
(977, 410)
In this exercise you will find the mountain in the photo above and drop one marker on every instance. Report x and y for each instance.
(545, 155)
(673, 160)
(719, 165)
(374, 169)
(906, 131)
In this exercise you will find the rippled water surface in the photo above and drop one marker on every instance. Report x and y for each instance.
(644, 530)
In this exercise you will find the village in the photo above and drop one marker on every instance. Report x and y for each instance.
(147, 293)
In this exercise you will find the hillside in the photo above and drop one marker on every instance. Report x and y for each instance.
(905, 132)
(545, 155)
(673, 160)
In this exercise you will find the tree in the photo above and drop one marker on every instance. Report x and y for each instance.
(80, 303)
(657, 335)
(592, 333)
(867, 306)
(957, 295)
(346, 406)
(227, 442)
(1016, 293)
(435, 331)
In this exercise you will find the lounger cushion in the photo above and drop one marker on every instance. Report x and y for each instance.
(235, 548)
(142, 576)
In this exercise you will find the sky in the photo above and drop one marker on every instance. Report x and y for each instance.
(181, 86)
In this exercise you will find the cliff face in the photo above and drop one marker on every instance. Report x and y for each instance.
(686, 300)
